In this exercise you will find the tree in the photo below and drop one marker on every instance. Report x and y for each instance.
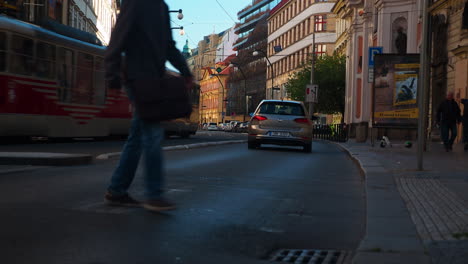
(330, 75)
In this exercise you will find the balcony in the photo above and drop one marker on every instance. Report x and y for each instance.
(250, 23)
(251, 8)
(240, 42)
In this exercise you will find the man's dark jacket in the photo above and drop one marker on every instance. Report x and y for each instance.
(448, 112)
(142, 32)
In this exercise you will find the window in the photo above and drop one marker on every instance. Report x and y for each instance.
(99, 82)
(281, 108)
(66, 73)
(320, 49)
(45, 62)
(320, 23)
(83, 89)
(22, 60)
(3, 47)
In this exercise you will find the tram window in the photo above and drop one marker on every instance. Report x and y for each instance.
(99, 82)
(3, 39)
(45, 64)
(83, 92)
(22, 61)
(66, 68)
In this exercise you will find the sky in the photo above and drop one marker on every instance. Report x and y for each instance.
(203, 17)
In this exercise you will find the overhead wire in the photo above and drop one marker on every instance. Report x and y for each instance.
(227, 13)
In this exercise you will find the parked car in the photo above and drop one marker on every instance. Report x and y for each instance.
(236, 127)
(222, 126)
(212, 127)
(280, 123)
(243, 127)
(227, 127)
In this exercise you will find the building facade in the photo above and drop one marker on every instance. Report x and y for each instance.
(106, 11)
(449, 53)
(292, 26)
(213, 93)
(96, 17)
(204, 55)
(249, 17)
(371, 23)
(247, 80)
(209, 64)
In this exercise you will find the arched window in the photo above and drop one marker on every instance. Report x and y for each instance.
(399, 35)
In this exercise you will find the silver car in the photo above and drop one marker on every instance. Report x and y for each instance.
(280, 123)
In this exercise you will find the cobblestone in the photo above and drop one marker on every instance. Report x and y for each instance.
(436, 198)
(436, 211)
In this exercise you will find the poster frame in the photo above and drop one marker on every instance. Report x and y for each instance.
(392, 125)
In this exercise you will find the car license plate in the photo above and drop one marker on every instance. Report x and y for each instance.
(279, 134)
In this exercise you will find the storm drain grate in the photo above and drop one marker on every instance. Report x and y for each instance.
(310, 256)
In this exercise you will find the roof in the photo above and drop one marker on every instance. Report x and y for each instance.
(282, 101)
(278, 6)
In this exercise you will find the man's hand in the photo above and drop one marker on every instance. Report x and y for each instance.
(114, 84)
(189, 83)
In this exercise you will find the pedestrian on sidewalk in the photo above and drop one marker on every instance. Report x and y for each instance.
(465, 123)
(140, 45)
(448, 116)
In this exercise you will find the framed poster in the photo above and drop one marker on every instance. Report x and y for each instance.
(396, 90)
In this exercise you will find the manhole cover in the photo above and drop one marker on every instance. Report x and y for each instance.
(310, 256)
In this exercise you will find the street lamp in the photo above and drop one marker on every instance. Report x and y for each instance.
(180, 16)
(235, 65)
(181, 32)
(256, 53)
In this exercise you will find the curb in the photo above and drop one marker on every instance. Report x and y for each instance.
(353, 157)
(44, 159)
(179, 147)
(19, 170)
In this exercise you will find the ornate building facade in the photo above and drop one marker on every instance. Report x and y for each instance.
(393, 25)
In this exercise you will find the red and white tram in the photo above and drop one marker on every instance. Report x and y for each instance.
(53, 86)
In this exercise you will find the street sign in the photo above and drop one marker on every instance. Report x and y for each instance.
(311, 93)
(372, 52)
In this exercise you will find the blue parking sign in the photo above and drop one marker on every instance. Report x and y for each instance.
(372, 52)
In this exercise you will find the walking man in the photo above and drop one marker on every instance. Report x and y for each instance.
(448, 116)
(143, 34)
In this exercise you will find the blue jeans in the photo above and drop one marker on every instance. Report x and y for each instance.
(445, 130)
(144, 138)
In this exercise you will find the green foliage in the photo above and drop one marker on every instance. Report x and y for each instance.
(330, 75)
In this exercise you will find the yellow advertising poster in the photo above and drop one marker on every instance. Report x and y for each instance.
(395, 90)
(405, 113)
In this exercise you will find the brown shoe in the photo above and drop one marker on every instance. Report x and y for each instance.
(125, 200)
(158, 205)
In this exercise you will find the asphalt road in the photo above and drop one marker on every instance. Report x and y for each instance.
(96, 147)
(234, 206)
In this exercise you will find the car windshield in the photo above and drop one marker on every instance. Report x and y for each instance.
(281, 108)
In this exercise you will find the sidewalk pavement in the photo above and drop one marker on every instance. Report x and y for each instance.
(413, 216)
